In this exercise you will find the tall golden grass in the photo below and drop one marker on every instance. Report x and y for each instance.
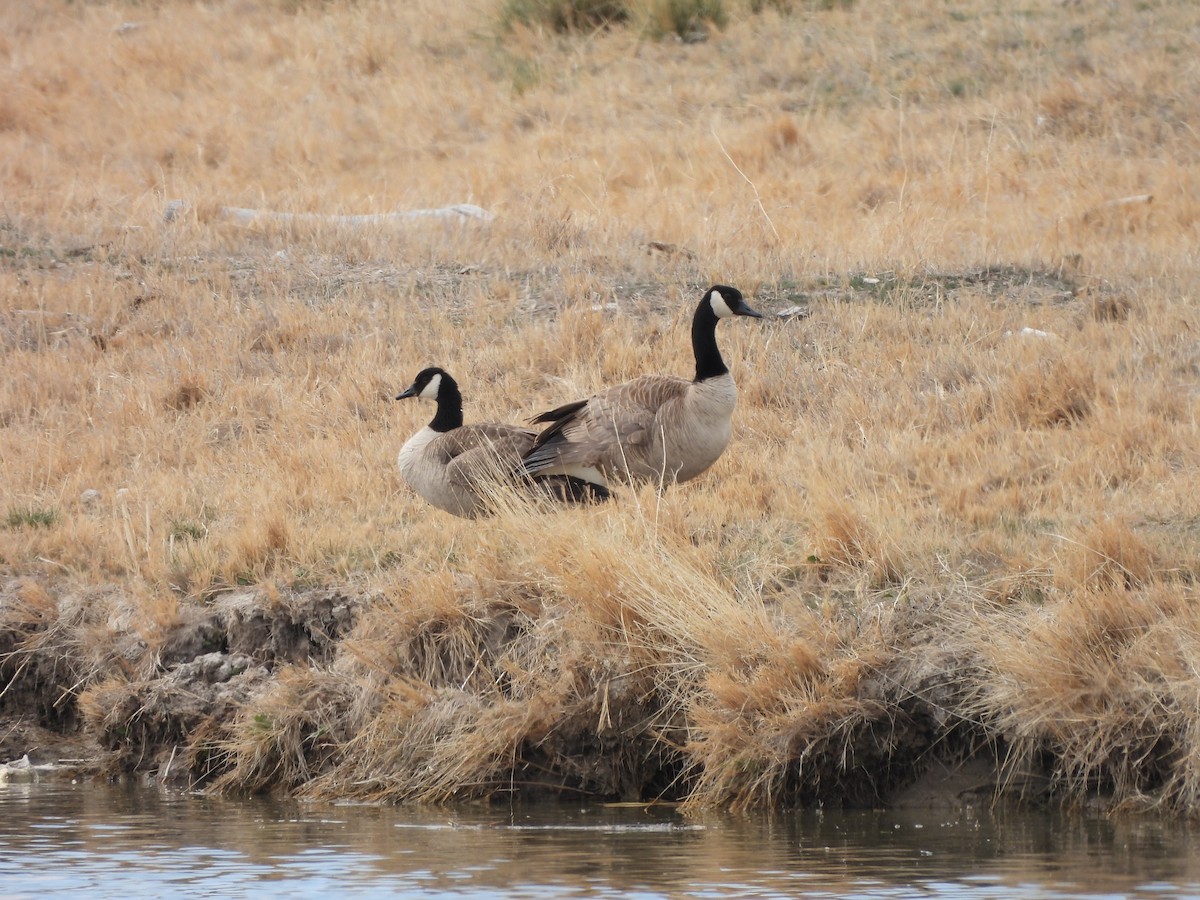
(961, 492)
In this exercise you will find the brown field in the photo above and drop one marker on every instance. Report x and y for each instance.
(959, 521)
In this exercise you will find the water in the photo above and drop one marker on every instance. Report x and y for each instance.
(66, 840)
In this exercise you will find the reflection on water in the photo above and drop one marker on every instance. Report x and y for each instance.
(61, 839)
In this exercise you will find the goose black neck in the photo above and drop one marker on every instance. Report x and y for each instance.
(449, 413)
(704, 342)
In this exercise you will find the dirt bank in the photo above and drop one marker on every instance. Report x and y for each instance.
(87, 688)
(502, 692)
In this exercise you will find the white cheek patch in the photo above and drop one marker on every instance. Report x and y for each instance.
(430, 391)
(719, 306)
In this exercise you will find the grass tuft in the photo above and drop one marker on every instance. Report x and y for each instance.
(564, 15)
(1109, 556)
(1101, 682)
(847, 540)
(31, 517)
(684, 19)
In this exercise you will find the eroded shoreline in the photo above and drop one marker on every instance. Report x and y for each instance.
(263, 691)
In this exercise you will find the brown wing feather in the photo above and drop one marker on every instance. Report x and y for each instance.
(483, 450)
(484, 434)
(614, 428)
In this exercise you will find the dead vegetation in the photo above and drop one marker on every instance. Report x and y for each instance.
(626, 665)
(1102, 682)
(957, 519)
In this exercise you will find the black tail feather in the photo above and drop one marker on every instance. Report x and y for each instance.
(569, 489)
(560, 412)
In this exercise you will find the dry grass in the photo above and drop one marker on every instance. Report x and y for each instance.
(990, 411)
(1104, 682)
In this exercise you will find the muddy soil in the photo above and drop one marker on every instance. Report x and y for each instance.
(83, 694)
(143, 706)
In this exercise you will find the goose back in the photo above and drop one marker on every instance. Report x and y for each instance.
(655, 427)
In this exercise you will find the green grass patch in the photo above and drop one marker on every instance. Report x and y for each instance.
(659, 18)
(788, 6)
(564, 15)
(684, 17)
(31, 517)
(187, 528)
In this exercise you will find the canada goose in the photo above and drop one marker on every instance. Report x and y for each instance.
(656, 427)
(451, 464)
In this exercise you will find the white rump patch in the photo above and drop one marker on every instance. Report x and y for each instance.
(584, 473)
(717, 301)
(430, 391)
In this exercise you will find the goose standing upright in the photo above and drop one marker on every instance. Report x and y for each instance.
(455, 467)
(656, 427)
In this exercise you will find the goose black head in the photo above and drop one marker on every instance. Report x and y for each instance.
(728, 301)
(428, 384)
